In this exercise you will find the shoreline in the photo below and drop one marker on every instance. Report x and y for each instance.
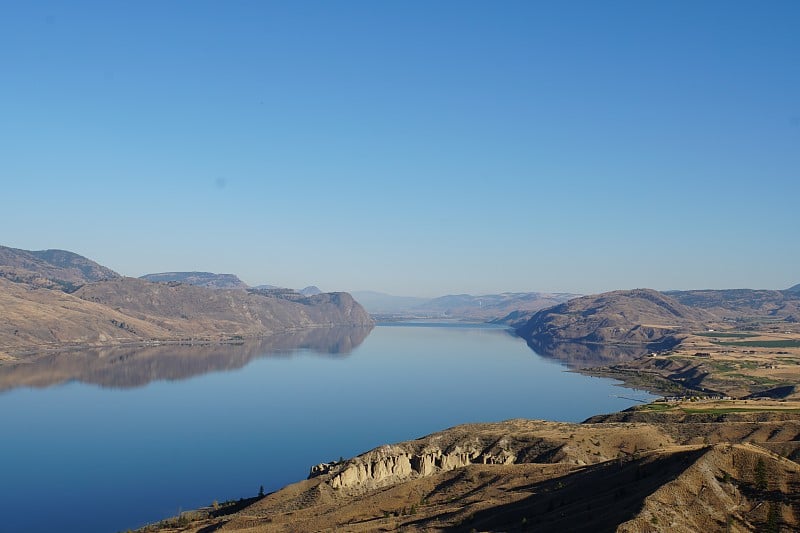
(32, 352)
(475, 472)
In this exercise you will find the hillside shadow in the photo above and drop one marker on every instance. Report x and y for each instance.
(595, 499)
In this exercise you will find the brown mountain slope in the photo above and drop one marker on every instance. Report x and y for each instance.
(637, 317)
(130, 310)
(198, 309)
(35, 319)
(523, 475)
(66, 270)
(743, 304)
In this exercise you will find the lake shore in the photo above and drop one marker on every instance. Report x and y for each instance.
(766, 408)
(620, 470)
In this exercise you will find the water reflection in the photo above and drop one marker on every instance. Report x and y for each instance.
(137, 366)
(580, 355)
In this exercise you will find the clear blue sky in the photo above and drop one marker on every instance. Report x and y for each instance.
(416, 148)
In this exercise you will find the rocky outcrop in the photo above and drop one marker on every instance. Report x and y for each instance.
(311, 290)
(675, 473)
(506, 443)
(529, 441)
(393, 463)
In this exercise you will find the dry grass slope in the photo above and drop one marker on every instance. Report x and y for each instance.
(676, 472)
(128, 310)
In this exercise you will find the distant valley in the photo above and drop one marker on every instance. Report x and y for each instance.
(458, 306)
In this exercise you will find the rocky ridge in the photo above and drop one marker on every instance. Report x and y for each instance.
(675, 472)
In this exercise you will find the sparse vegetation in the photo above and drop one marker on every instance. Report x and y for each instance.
(761, 474)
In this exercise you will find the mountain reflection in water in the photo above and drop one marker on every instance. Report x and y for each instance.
(127, 367)
(585, 355)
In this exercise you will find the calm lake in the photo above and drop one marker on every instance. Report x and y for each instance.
(104, 441)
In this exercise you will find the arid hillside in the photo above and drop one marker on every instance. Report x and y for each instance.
(130, 310)
(58, 269)
(640, 317)
(57, 300)
(735, 343)
(744, 305)
(223, 311)
(677, 471)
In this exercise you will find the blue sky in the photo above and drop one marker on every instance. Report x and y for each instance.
(417, 148)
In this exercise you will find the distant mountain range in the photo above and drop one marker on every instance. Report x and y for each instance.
(200, 279)
(796, 288)
(220, 281)
(382, 303)
(55, 299)
(461, 306)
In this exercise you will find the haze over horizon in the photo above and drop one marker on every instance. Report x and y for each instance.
(414, 149)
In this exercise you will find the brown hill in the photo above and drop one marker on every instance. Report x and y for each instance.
(128, 310)
(62, 269)
(521, 475)
(232, 312)
(636, 317)
(743, 305)
(34, 319)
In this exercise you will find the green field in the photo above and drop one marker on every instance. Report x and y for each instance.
(722, 335)
(655, 407)
(731, 366)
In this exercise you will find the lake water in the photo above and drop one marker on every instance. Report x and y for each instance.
(110, 440)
